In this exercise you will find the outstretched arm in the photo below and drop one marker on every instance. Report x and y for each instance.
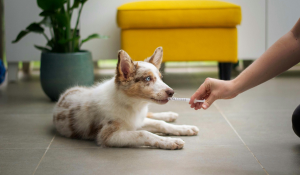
(281, 56)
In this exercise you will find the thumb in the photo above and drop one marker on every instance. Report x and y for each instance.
(209, 101)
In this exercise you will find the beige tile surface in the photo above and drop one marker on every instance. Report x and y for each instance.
(256, 123)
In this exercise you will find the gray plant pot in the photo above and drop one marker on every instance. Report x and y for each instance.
(60, 71)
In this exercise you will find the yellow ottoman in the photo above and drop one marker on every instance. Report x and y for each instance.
(190, 30)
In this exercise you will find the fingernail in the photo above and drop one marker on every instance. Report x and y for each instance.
(204, 106)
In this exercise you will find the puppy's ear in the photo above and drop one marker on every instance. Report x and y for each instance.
(156, 58)
(125, 65)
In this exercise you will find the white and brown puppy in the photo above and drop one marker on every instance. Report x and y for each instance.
(115, 112)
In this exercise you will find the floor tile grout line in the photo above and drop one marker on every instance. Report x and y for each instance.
(223, 115)
(44, 155)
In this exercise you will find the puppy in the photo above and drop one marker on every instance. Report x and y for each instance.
(115, 112)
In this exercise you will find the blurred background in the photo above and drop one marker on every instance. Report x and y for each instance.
(263, 22)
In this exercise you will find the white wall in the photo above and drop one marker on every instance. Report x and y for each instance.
(282, 16)
(99, 16)
(251, 32)
(18, 15)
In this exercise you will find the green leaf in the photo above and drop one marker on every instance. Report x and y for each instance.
(76, 4)
(62, 10)
(92, 36)
(50, 43)
(62, 19)
(35, 27)
(20, 36)
(47, 13)
(44, 49)
(50, 4)
(46, 21)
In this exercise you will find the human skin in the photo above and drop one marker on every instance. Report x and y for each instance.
(281, 56)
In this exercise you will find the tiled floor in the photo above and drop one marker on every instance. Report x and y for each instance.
(251, 134)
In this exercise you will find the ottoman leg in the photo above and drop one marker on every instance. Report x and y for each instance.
(26, 68)
(162, 68)
(225, 71)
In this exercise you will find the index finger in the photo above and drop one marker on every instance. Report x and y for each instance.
(200, 93)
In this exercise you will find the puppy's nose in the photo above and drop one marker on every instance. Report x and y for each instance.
(170, 92)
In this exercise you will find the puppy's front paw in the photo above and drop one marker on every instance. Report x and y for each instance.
(168, 116)
(192, 130)
(171, 143)
(185, 130)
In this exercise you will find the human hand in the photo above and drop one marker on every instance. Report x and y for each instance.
(211, 90)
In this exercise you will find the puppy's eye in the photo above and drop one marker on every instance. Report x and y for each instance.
(148, 79)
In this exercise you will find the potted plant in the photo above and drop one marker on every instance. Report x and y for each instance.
(63, 64)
